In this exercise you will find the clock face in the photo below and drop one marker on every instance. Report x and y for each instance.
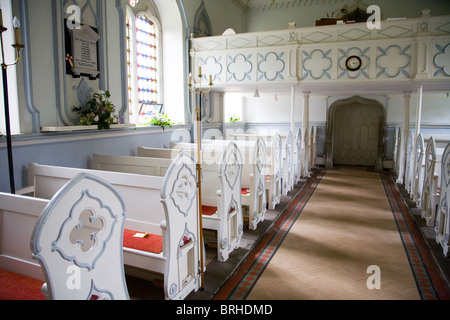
(353, 63)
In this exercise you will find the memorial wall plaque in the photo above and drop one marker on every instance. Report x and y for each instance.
(83, 59)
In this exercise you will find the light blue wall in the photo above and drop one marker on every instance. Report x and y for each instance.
(75, 149)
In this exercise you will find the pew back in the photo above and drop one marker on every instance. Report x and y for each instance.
(136, 165)
(164, 206)
(157, 153)
(18, 217)
(78, 242)
(442, 224)
(140, 193)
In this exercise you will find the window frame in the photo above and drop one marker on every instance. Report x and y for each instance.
(134, 105)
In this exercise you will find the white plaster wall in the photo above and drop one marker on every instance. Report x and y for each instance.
(436, 107)
(42, 62)
(223, 15)
(113, 83)
(174, 37)
(305, 12)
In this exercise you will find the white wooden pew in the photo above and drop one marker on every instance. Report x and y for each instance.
(288, 164)
(306, 152)
(57, 220)
(159, 206)
(18, 217)
(274, 164)
(409, 166)
(290, 157)
(78, 242)
(313, 148)
(430, 187)
(397, 149)
(220, 192)
(274, 183)
(298, 156)
(442, 224)
(441, 141)
(157, 152)
(253, 175)
(430, 191)
(129, 164)
(417, 179)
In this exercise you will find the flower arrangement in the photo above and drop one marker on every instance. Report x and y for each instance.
(235, 119)
(156, 119)
(98, 111)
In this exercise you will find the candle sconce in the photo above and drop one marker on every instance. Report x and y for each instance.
(200, 91)
(18, 46)
(204, 101)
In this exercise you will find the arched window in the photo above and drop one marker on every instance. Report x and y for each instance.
(143, 64)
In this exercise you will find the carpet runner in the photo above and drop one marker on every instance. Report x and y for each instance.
(324, 246)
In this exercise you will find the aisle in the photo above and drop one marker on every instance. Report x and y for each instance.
(346, 227)
(342, 226)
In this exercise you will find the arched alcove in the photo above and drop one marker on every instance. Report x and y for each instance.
(175, 64)
(355, 133)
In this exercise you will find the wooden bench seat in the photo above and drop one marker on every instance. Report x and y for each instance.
(164, 206)
(219, 194)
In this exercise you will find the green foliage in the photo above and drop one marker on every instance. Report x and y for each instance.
(235, 119)
(158, 119)
(99, 111)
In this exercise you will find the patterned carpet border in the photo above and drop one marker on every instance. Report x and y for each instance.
(428, 280)
(429, 283)
(257, 261)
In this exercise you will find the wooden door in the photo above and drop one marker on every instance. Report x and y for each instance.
(356, 134)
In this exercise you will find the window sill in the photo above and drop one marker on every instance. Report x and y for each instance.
(82, 128)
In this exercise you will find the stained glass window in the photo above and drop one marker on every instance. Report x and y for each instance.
(129, 61)
(142, 63)
(146, 62)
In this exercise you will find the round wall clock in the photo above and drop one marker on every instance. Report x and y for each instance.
(353, 63)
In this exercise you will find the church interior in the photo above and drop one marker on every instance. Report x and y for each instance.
(225, 150)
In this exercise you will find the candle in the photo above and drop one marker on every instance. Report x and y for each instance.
(200, 71)
(190, 79)
(16, 25)
(210, 79)
(1, 17)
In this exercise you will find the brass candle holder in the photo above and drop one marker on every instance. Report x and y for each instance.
(18, 46)
(198, 90)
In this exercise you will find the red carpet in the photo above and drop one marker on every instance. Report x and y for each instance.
(152, 243)
(208, 211)
(14, 286)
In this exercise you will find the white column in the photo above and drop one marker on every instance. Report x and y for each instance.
(305, 134)
(419, 110)
(293, 110)
(404, 135)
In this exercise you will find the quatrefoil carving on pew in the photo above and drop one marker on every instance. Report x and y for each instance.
(232, 170)
(85, 233)
(260, 158)
(184, 190)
